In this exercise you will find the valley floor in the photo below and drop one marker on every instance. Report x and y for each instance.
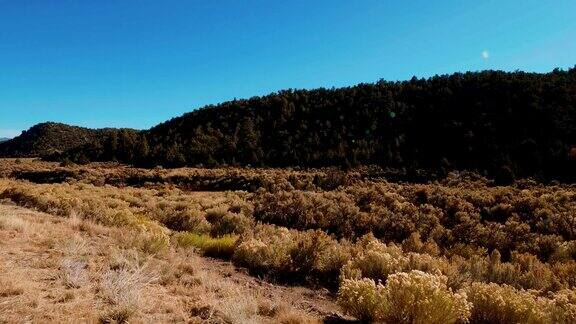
(55, 269)
(110, 243)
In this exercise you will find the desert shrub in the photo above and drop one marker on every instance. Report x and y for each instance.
(446, 227)
(216, 213)
(293, 255)
(370, 258)
(231, 223)
(565, 272)
(414, 297)
(494, 303)
(414, 244)
(363, 298)
(150, 243)
(418, 297)
(268, 252)
(564, 251)
(533, 220)
(314, 253)
(563, 307)
(460, 210)
(34, 199)
(87, 201)
(330, 259)
(522, 271)
(241, 206)
(333, 212)
(333, 179)
(185, 220)
(375, 260)
(532, 273)
(394, 218)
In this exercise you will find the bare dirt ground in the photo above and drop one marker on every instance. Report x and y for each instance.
(55, 269)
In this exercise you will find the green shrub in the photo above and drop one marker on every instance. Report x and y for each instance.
(221, 247)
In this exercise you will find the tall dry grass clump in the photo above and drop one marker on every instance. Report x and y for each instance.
(8, 222)
(122, 289)
(74, 273)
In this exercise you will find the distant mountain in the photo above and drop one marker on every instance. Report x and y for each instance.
(4, 139)
(50, 138)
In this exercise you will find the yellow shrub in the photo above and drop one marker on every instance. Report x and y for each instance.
(494, 303)
(363, 299)
(563, 307)
(263, 257)
(419, 297)
(375, 260)
(413, 297)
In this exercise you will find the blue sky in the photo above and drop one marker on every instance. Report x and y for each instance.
(134, 63)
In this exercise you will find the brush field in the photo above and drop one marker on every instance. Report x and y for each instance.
(107, 242)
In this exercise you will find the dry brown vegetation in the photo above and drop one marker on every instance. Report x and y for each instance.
(55, 269)
(456, 250)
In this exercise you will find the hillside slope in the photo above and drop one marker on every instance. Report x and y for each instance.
(496, 123)
(46, 138)
(50, 138)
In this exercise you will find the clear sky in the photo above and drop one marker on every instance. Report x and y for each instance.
(134, 63)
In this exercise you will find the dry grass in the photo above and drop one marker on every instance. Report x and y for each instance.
(98, 275)
(8, 222)
(74, 273)
(9, 288)
(122, 288)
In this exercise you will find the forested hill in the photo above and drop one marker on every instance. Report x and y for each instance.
(46, 138)
(50, 138)
(497, 123)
